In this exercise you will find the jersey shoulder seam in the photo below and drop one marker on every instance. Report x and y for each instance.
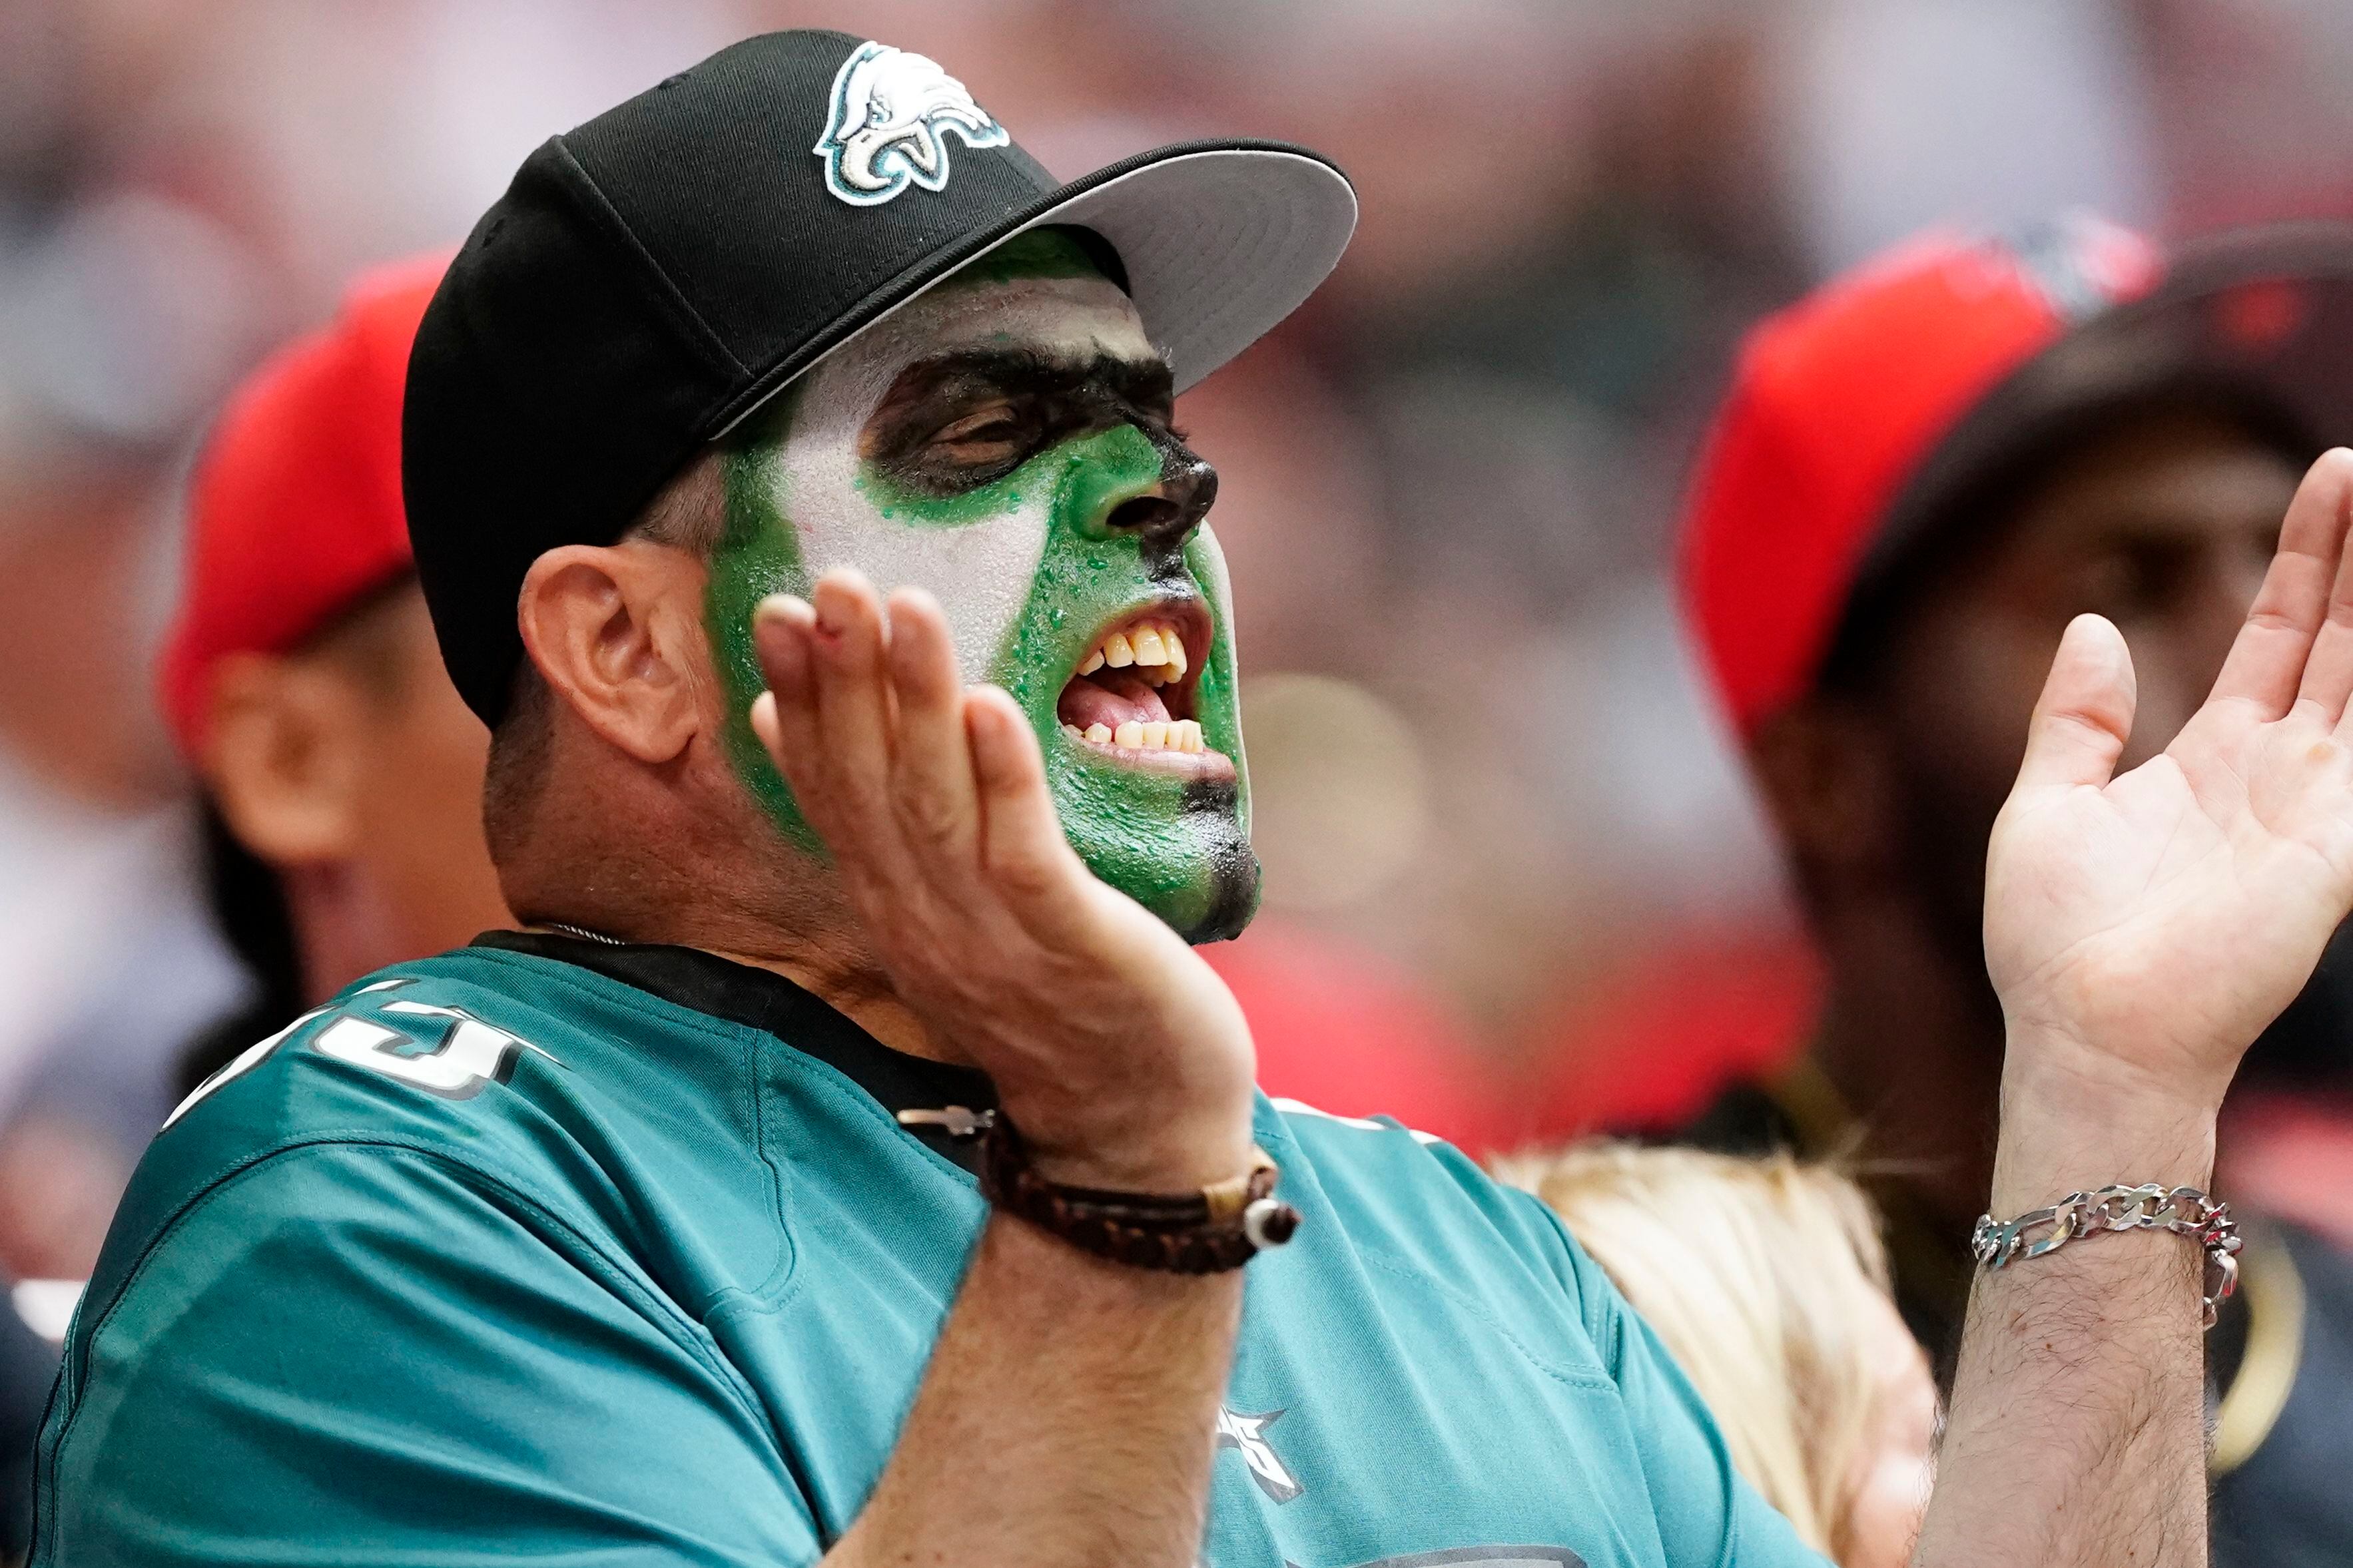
(1595, 1377)
(749, 1092)
(757, 1089)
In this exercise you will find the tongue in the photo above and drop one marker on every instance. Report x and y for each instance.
(1113, 698)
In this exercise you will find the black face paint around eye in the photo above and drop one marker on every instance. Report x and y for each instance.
(1047, 402)
(1072, 564)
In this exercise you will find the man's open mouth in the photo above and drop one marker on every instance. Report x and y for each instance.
(1133, 695)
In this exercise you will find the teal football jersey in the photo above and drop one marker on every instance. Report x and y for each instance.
(552, 1252)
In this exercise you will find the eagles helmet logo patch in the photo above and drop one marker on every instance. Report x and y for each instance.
(890, 118)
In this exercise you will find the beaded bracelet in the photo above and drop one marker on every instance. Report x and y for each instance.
(1220, 1227)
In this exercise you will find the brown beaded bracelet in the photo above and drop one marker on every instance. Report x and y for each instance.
(1220, 1228)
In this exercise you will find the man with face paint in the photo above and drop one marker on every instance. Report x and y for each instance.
(1007, 444)
(852, 1162)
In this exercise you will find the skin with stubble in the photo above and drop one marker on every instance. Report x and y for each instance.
(2141, 930)
(1887, 784)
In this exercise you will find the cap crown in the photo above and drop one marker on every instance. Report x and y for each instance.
(294, 510)
(655, 273)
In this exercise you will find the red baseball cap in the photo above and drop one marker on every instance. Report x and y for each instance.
(1860, 418)
(1836, 403)
(294, 512)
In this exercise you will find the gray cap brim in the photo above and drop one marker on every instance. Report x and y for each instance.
(1220, 242)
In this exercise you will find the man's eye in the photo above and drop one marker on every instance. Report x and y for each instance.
(988, 427)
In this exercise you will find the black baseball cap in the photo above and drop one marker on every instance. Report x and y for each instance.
(653, 277)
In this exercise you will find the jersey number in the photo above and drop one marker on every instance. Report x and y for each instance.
(467, 1054)
(453, 1061)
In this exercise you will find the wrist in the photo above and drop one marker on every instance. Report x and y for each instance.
(1168, 1146)
(2074, 1118)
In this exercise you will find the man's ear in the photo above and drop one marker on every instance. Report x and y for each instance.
(283, 755)
(616, 632)
(1828, 780)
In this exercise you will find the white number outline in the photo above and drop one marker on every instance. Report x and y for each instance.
(469, 1055)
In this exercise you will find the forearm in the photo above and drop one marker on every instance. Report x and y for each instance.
(2076, 1433)
(1065, 1417)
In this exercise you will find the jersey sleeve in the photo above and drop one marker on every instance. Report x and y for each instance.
(1706, 1510)
(366, 1354)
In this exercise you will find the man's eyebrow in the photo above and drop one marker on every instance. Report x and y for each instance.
(1147, 382)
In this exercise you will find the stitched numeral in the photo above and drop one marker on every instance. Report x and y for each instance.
(466, 1055)
(453, 1060)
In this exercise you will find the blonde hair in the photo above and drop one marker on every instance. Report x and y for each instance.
(1758, 1274)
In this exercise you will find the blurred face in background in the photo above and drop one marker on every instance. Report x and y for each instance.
(1895, 1465)
(2164, 524)
(351, 767)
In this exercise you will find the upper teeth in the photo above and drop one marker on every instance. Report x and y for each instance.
(1155, 650)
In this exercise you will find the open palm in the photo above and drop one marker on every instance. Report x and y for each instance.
(2161, 918)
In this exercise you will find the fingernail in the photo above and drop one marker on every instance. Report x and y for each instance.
(830, 616)
(785, 608)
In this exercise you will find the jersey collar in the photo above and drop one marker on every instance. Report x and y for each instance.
(761, 999)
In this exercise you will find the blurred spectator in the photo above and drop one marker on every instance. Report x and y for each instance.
(342, 775)
(125, 305)
(1922, 474)
(1767, 1279)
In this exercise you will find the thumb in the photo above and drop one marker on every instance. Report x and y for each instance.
(2086, 712)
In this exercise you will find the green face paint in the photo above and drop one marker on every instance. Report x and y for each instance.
(757, 555)
(1033, 568)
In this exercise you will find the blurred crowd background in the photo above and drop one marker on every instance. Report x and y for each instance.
(1494, 808)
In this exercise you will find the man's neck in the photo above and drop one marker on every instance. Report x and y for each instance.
(856, 987)
(1912, 1042)
(820, 958)
(707, 872)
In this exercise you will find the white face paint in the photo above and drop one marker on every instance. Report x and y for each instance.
(1034, 568)
(981, 570)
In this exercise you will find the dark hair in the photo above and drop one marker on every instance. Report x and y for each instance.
(249, 907)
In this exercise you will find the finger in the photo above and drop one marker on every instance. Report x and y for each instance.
(2329, 668)
(2266, 662)
(2084, 715)
(853, 704)
(785, 716)
(931, 784)
(1022, 847)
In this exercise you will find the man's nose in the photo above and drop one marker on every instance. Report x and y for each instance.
(1164, 515)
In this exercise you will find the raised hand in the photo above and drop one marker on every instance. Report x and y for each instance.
(2142, 930)
(1120, 1054)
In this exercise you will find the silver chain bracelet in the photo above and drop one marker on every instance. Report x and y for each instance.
(2184, 1211)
